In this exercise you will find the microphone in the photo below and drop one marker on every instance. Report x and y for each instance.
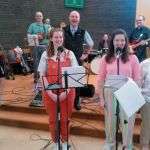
(119, 52)
(60, 49)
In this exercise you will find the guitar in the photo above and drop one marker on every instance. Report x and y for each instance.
(142, 42)
(132, 46)
(41, 36)
(25, 67)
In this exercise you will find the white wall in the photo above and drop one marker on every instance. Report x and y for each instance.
(143, 8)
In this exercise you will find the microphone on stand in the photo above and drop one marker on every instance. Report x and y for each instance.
(119, 52)
(60, 49)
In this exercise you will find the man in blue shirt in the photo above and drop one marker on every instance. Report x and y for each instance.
(40, 30)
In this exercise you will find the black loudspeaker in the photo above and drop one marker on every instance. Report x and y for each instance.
(87, 91)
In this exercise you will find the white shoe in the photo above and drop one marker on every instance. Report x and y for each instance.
(64, 146)
(54, 146)
(108, 146)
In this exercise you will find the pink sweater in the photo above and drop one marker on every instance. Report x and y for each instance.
(129, 69)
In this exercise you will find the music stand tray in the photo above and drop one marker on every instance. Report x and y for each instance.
(76, 77)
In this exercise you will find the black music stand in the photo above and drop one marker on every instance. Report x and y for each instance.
(119, 53)
(117, 107)
(65, 84)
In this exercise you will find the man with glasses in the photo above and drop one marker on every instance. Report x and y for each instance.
(138, 37)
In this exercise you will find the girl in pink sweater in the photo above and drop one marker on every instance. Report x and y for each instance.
(113, 73)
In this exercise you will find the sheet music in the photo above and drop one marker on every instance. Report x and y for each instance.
(130, 97)
(76, 76)
(33, 40)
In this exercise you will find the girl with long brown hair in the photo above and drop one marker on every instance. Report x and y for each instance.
(49, 68)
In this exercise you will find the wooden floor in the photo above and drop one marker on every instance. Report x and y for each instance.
(21, 90)
(17, 94)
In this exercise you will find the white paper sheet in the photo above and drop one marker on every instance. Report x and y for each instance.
(76, 76)
(33, 40)
(130, 97)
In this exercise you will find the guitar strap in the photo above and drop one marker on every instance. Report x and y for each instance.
(45, 33)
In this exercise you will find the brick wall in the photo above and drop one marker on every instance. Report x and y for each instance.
(97, 16)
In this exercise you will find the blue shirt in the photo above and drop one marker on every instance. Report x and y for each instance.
(36, 28)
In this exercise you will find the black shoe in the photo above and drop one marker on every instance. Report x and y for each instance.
(77, 107)
(36, 77)
(77, 103)
(35, 80)
(37, 101)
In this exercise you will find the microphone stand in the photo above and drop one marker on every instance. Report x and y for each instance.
(117, 106)
(57, 86)
(58, 123)
(66, 87)
(58, 105)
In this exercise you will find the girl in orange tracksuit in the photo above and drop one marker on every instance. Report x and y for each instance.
(48, 67)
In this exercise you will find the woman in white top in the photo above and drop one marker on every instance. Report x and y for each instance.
(48, 67)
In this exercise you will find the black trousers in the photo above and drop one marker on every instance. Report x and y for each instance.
(77, 98)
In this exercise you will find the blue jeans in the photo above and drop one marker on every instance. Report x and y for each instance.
(37, 52)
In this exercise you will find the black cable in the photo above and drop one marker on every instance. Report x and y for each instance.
(14, 91)
(74, 121)
(73, 145)
(93, 110)
(20, 91)
(14, 101)
(88, 101)
(85, 123)
(36, 137)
